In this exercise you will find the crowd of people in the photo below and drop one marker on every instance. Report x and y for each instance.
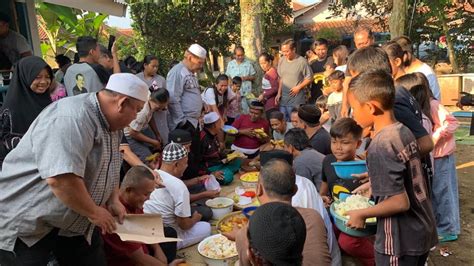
(63, 183)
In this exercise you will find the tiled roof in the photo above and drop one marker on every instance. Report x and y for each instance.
(297, 6)
(345, 27)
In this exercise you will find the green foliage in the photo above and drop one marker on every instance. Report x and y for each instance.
(168, 27)
(329, 34)
(63, 25)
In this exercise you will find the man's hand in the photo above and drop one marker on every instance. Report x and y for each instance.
(103, 219)
(156, 144)
(212, 193)
(260, 98)
(294, 91)
(356, 220)
(219, 175)
(116, 208)
(196, 216)
(248, 132)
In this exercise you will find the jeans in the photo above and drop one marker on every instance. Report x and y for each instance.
(286, 110)
(67, 250)
(445, 196)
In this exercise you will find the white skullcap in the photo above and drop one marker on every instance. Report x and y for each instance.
(130, 85)
(197, 50)
(211, 118)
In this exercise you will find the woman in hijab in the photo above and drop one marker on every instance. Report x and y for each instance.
(27, 96)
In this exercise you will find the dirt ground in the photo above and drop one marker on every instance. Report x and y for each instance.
(462, 249)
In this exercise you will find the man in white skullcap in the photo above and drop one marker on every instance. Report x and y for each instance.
(172, 201)
(59, 186)
(185, 94)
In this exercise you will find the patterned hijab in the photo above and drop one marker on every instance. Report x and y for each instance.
(23, 104)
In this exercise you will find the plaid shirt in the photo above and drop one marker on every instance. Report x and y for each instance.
(69, 136)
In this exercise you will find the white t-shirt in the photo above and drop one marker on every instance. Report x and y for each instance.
(432, 79)
(209, 97)
(171, 201)
(308, 197)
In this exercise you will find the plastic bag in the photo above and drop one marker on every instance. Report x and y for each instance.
(212, 184)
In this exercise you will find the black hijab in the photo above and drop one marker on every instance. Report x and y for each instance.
(23, 104)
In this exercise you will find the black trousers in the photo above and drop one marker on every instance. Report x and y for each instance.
(67, 251)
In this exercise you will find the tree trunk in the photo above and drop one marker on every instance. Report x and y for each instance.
(251, 36)
(397, 20)
(449, 43)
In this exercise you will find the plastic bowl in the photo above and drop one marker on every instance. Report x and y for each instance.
(220, 206)
(212, 261)
(230, 130)
(249, 211)
(345, 170)
(249, 183)
(340, 221)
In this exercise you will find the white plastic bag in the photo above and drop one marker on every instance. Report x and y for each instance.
(212, 184)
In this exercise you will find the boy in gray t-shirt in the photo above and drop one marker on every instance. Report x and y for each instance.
(406, 228)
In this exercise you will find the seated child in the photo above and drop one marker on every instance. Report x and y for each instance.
(345, 139)
(248, 140)
(138, 184)
(233, 110)
(334, 103)
(279, 125)
(406, 228)
(173, 202)
(211, 157)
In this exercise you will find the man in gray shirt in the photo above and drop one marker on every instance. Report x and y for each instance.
(295, 74)
(62, 179)
(12, 44)
(307, 161)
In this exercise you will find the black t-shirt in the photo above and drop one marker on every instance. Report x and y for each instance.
(394, 166)
(321, 141)
(336, 185)
(317, 67)
(101, 72)
(408, 112)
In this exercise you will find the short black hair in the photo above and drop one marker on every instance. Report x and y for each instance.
(393, 50)
(278, 178)
(290, 42)
(105, 51)
(276, 115)
(5, 17)
(369, 58)
(62, 60)
(407, 46)
(79, 75)
(336, 75)
(344, 126)
(374, 85)
(237, 80)
(85, 44)
(160, 95)
(294, 109)
(148, 58)
(319, 41)
(297, 138)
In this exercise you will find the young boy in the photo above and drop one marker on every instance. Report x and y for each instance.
(233, 110)
(345, 139)
(405, 223)
(334, 104)
(294, 117)
(279, 125)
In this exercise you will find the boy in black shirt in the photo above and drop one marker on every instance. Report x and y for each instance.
(405, 223)
(345, 140)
